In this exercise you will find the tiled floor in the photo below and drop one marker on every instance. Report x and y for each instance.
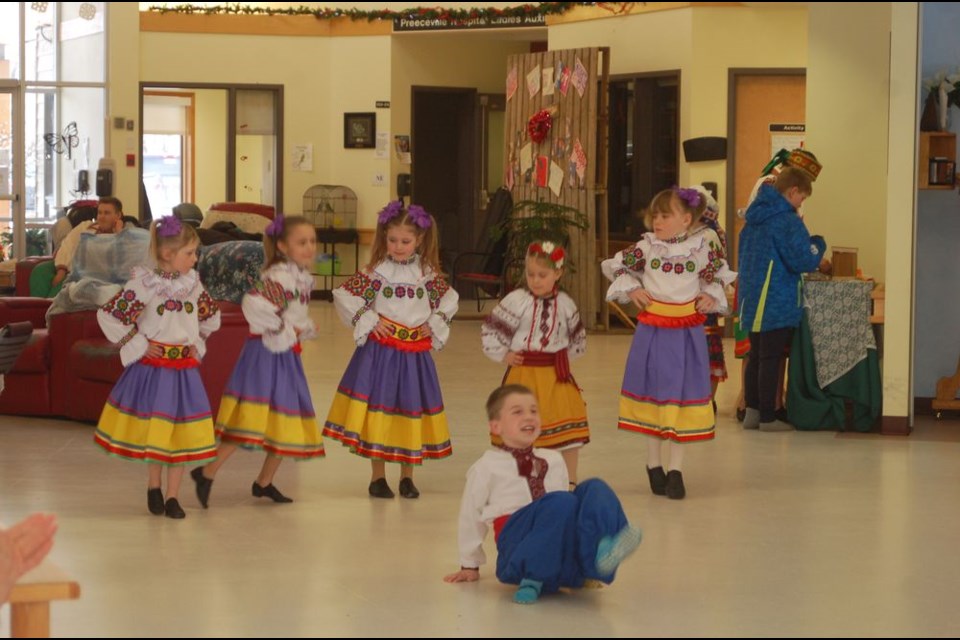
(781, 534)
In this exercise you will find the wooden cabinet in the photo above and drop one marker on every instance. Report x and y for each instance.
(935, 144)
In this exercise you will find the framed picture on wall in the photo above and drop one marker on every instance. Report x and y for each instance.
(359, 130)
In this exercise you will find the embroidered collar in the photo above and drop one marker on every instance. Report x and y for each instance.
(676, 239)
(531, 467)
(167, 275)
(411, 260)
(550, 296)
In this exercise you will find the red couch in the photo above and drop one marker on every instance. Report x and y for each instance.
(69, 368)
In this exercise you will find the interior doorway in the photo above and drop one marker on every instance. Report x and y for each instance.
(206, 143)
(445, 132)
(758, 98)
(643, 149)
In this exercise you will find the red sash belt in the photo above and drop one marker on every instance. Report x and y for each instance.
(671, 315)
(560, 362)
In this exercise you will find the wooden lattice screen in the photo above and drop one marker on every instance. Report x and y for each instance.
(575, 117)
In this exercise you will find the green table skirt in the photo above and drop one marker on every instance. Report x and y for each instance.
(811, 408)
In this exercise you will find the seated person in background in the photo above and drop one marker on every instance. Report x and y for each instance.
(47, 278)
(547, 537)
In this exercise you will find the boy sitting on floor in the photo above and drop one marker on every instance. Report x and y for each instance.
(547, 538)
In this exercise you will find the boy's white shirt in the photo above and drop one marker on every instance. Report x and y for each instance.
(495, 488)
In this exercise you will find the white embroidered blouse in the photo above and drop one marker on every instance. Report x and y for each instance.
(277, 307)
(406, 292)
(155, 306)
(495, 488)
(524, 322)
(675, 271)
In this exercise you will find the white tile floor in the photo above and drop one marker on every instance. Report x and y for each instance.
(781, 534)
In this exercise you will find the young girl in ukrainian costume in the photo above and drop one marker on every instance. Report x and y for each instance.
(710, 229)
(674, 278)
(388, 406)
(266, 404)
(536, 331)
(158, 411)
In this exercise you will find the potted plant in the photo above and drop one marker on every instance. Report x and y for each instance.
(531, 221)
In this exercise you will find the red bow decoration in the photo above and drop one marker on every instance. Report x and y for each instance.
(539, 126)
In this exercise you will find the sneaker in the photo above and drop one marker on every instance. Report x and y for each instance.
(658, 481)
(613, 550)
(675, 488)
(268, 491)
(408, 489)
(174, 510)
(204, 484)
(529, 591)
(751, 418)
(380, 489)
(776, 425)
(155, 501)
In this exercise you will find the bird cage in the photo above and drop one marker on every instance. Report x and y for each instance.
(330, 206)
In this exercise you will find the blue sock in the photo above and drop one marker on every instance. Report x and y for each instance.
(528, 592)
(612, 550)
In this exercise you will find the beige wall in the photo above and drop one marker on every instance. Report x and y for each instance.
(123, 98)
(847, 119)
(210, 130)
(299, 64)
(900, 212)
(703, 44)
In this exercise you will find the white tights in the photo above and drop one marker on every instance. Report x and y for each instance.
(671, 450)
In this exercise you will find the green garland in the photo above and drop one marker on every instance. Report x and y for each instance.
(525, 10)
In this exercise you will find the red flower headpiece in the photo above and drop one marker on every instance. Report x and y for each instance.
(547, 251)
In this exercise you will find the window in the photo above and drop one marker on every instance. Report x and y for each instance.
(52, 68)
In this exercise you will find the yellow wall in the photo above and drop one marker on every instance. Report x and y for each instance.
(211, 142)
(847, 116)
(123, 98)
(300, 64)
(900, 212)
(703, 43)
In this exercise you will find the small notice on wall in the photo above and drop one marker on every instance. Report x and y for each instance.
(511, 83)
(302, 157)
(787, 136)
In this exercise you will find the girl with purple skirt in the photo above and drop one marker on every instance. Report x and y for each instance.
(158, 411)
(388, 406)
(266, 404)
(674, 278)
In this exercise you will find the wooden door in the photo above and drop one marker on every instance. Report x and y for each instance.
(758, 102)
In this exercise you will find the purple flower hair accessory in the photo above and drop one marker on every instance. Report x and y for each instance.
(389, 212)
(275, 228)
(419, 216)
(691, 196)
(169, 226)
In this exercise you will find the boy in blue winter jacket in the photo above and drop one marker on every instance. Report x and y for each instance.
(775, 248)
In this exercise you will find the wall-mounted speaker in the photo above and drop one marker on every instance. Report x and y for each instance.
(703, 149)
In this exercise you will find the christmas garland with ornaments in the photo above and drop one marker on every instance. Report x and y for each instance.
(327, 13)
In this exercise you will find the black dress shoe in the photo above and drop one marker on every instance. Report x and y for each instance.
(781, 414)
(269, 491)
(380, 489)
(408, 489)
(658, 481)
(204, 484)
(173, 510)
(741, 414)
(675, 488)
(155, 501)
